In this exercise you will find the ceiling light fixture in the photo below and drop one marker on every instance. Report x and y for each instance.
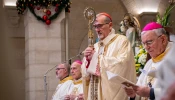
(9, 3)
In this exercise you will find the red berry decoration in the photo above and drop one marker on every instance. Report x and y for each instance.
(48, 22)
(68, 10)
(56, 9)
(38, 8)
(31, 5)
(48, 12)
(57, 5)
(45, 17)
(43, 7)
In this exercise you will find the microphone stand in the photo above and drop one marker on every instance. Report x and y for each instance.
(45, 75)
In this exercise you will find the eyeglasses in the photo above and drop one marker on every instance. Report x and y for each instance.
(149, 42)
(97, 26)
(59, 68)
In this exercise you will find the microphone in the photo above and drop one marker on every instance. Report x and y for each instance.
(81, 53)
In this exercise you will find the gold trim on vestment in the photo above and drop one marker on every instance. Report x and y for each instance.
(106, 46)
(77, 82)
(65, 79)
(155, 60)
(160, 57)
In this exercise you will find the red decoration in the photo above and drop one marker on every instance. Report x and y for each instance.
(56, 9)
(43, 6)
(48, 12)
(68, 10)
(38, 8)
(33, 7)
(57, 5)
(45, 17)
(88, 62)
(48, 22)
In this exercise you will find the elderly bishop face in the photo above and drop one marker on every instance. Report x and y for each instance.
(154, 40)
(76, 70)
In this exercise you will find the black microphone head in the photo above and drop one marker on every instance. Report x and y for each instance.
(81, 53)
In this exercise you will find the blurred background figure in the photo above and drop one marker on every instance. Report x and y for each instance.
(130, 27)
(122, 29)
(65, 83)
(166, 76)
(77, 88)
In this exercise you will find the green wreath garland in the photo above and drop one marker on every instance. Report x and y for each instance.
(59, 5)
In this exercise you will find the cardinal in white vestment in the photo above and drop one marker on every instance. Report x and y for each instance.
(112, 53)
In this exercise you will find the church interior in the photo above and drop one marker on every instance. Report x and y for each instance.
(30, 47)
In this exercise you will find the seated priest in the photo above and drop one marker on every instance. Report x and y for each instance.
(77, 89)
(65, 83)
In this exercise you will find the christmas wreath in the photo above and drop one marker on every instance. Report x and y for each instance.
(45, 7)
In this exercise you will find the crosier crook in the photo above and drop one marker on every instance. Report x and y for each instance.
(89, 14)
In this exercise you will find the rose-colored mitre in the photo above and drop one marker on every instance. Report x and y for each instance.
(151, 26)
(78, 61)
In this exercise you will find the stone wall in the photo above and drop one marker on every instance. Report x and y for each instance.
(27, 54)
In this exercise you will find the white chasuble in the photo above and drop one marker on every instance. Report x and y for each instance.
(117, 57)
(63, 89)
(144, 79)
(77, 88)
(166, 72)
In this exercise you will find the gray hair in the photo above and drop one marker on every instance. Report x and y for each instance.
(158, 31)
(67, 66)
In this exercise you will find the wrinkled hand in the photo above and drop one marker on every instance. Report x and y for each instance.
(72, 97)
(130, 91)
(67, 97)
(88, 53)
(143, 91)
(81, 97)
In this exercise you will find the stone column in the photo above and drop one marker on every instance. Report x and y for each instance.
(44, 48)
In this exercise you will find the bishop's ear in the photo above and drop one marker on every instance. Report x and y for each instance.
(164, 39)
